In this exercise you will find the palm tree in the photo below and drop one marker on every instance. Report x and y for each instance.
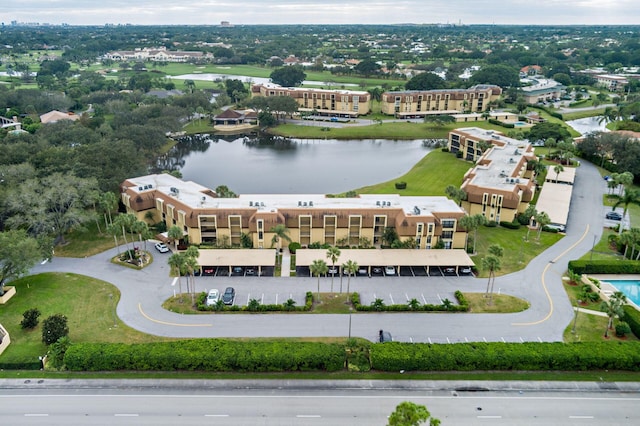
(550, 143)
(318, 267)
(626, 239)
(472, 223)
(174, 234)
(631, 196)
(351, 267)
(177, 263)
(491, 263)
(108, 202)
(456, 194)
(280, 232)
(558, 169)
(333, 253)
(191, 263)
(542, 219)
(624, 180)
(613, 308)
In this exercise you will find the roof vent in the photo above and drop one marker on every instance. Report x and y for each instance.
(139, 188)
(304, 204)
(261, 203)
(388, 203)
(150, 186)
(299, 203)
(250, 203)
(377, 203)
(311, 203)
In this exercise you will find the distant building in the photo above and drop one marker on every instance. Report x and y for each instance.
(230, 117)
(542, 90)
(328, 102)
(419, 103)
(499, 186)
(55, 116)
(160, 54)
(530, 71)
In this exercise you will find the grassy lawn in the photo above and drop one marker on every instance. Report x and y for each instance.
(199, 126)
(430, 176)
(568, 116)
(517, 252)
(501, 303)
(87, 242)
(89, 305)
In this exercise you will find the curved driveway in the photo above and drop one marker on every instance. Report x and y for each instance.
(540, 282)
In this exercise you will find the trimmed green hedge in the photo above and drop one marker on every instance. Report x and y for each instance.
(206, 355)
(202, 306)
(510, 225)
(632, 317)
(548, 111)
(506, 356)
(605, 266)
(463, 306)
(500, 123)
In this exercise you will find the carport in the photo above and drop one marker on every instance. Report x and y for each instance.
(390, 257)
(237, 257)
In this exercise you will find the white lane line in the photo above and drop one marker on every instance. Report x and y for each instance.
(448, 341)
(407, 296)
(36, 415)
(276, 298)
(439, 298)
(429, 338)
(484, 339)
(539, 340)
(126, 415)
(216, 415)
(503, 341)
(489, 417)
(581, 417)
(424, 301)
(391, 297)
(173, 283)
(521, 340)
(262, 299)
(308, 416)
(466, 340)
(44, 261)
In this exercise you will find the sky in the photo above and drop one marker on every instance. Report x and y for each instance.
(252, 12)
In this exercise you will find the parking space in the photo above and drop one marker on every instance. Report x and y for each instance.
(403, 297)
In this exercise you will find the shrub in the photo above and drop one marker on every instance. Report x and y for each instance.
(53, 328)
(445, 149)
(55, 356)
(401, 185)
(632, 318)
(510, 225)
(622, 329)
(605, 266)
(491, 224)
(30, 318)
(293, 246)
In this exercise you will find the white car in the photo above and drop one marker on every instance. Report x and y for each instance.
(389, 270)
(212, 297)
(162, 248)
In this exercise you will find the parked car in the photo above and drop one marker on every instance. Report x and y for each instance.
(332, 270)
(389, 270)
(362, 271)
(238, 270)
(162, 247)
(250, 271)
(384, 336)
(613, 216)
(449, 270)
(229, 296)
(213, 297)
(465, 270)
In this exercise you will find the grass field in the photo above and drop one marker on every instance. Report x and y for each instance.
(88, 303)
(430, 176)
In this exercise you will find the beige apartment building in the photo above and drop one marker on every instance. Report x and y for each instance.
(499, 186)
(418, 103)
(333, 103)
(310, 218)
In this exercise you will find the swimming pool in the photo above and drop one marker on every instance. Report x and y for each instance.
(520, 124)
(631, 289)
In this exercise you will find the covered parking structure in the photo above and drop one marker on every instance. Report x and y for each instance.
(230, 258)
(398, 258)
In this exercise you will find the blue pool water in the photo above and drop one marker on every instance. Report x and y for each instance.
(631, 289)
(519, 124)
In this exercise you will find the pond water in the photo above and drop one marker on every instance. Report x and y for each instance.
(272, 165)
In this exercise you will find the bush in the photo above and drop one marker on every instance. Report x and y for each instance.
(55, 356)
(632, 318)
(30, 318)
(53, 328)
(605, 266)
(622, 329)
(401, 185)
(491, 224)
(510, 225)
(293, 246)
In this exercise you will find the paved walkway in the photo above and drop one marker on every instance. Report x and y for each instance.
(540, 283)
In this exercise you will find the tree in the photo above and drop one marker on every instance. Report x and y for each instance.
(53, 205)
(410, 414)
(389, 235)
(280, 232)
(613, 309)
(425, 81)
(546, 130)
(53, 328)
(439, 120)
(549, 143)
(455, 193)
(30, 318)
(333, 253)
(174, 233)
(18, 254)
(351, 267)
(631, 196)
(288, 76)
(542, 219)
(191, 264)
(500, 75)
(472, 223)
(367, 68)
(318, 267)
(178, 262)
(558, 169)
(491, 263)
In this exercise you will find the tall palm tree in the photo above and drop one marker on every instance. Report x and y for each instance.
(631, 196)
(281, 232)
(191, 263)
(174, 234)
(550, 143)
(626, 239)
(318, 267)
(543, 220)
(472, 223)
(558, 169)
(333, 253)
(491, 263)
(177, 263)
(351, 267)
(613, 308)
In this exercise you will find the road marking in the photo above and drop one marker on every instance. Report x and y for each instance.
(439, 298)
(544, 284)
(489, 417)
(173, 283)
(466, 340)
(521, 340)
(429, 338)
(216, 415)
(581, 417)
(448, 341)
(44, 261)
(484, 339)
(308, 416)
(407, 296)
(423, 299)
(126, 415)
(276, 298)
(168, 323)
(503, 341)
(36, 415)
(391, 297)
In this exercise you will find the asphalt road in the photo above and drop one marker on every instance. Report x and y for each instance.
(309, 405)
(142, 293)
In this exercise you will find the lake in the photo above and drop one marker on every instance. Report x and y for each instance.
(249, 165)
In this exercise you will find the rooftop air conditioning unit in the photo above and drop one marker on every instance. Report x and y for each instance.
(250, 203)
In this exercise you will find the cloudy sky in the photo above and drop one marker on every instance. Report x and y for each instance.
(211, 12)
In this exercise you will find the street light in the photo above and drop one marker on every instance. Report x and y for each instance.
(350, 310)
(575, 319)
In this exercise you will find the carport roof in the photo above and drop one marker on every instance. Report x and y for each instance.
(237, 257)
(391, 257)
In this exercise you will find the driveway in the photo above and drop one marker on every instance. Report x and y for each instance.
(540, 282)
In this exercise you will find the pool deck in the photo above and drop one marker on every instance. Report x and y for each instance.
(608, 289)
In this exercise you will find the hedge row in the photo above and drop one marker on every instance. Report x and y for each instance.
(206, 355)
(462, 306)
(510, 225)
(202, 306)
(500, 123)
(548, 111)
(632, 317)
(506, 356)
(605, 266)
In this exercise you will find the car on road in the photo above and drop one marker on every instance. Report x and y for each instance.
(213, 297)
(613, 216)
(161, 247)
(229, 296)
(389, 270)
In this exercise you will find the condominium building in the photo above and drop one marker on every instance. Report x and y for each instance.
(499, 186)
(206, 218)
(340, 103)
(419, 103)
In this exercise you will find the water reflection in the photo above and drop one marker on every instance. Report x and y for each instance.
(260, 163)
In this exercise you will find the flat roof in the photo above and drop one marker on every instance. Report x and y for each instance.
(199, 197)
(237, 257)
(567, 175)
(390, 257)
(554, 200)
